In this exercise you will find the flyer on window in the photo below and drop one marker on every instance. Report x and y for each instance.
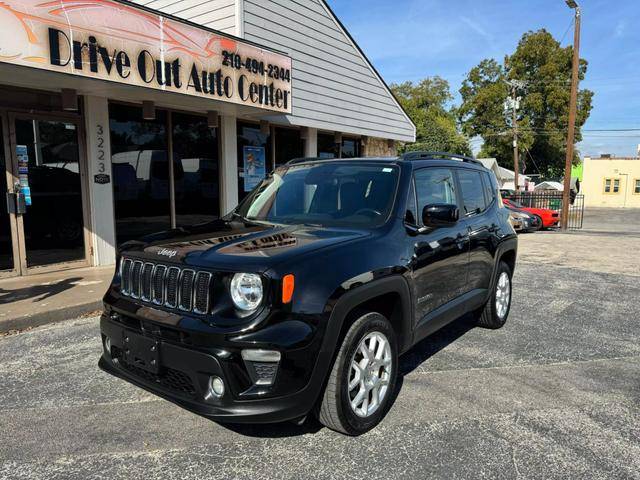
(254, 167)
(22, 155)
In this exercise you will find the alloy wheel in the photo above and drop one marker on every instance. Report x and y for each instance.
(369, 374)
(503, 294)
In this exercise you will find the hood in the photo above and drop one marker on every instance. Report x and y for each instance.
(233, 245)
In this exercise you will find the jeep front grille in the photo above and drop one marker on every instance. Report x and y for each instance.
(172, 287)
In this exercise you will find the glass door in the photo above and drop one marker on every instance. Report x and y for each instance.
(8, 245)
(47, 165)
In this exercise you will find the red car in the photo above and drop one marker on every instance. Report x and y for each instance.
(549, 218)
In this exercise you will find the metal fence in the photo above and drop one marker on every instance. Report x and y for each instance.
(553, 201)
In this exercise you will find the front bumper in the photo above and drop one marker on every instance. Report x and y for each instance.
(182, 375)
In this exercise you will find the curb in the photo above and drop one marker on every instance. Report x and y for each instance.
(46, 318)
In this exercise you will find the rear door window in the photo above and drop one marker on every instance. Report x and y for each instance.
(435, 186)
(473, 195)
(489, 189)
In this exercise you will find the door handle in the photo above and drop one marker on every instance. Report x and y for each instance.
(12, 202)
(16, 203)
(461, 240)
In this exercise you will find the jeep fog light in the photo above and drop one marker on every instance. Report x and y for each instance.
(262, 365)
(246, 291)
(216, 387)
(107, 344)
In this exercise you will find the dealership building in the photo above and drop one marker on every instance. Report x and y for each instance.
(121, 119)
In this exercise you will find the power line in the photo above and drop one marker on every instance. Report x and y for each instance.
(567, 31)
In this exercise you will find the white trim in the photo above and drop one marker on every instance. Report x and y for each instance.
(103, 232)
(228, 163)
(240, 18)
(366, 60)
(311, 143)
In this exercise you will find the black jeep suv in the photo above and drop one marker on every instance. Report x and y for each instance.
(303, 297)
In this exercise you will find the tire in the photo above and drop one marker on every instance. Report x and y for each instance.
(491, 316)
(336, 411)
(541, 226)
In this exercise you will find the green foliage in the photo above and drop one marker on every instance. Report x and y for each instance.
(426, 103)
(545, 68)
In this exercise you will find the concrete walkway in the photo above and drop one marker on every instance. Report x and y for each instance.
(50, 297)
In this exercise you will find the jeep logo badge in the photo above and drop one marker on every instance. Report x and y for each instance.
(165, 252)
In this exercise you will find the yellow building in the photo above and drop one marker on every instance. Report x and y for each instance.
(611, 182)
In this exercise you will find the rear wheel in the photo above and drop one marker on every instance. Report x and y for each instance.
(363, 378)
(495, 312)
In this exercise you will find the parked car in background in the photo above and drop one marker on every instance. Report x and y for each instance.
(523, 221)
(548, 218)
(516, 221)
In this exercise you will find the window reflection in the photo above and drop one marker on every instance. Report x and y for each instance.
(140, 172)
(350, 148)
(327, 148)
(195, 147)
(289, 145)
(54, 222)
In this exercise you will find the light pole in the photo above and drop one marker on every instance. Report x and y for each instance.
(572, 115)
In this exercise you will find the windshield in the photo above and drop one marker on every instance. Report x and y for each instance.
(331, 194)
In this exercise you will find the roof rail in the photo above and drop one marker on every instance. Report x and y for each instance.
(438, 155)
(306, 159)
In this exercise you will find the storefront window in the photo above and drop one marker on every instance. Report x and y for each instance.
(140, 172)
(289, 145)
(350, 148)
(254, 157)
(195, 148)
(327, 147)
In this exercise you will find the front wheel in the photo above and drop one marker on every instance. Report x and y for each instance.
(363, 377)
(540, 223)
(495, 312)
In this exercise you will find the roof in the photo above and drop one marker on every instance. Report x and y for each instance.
(366, 59)
(550, 185)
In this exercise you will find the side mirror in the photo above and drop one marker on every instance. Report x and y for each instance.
(440, 215)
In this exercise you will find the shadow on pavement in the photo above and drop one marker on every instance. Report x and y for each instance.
(37, 292)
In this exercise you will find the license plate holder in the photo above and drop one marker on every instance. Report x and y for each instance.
(141, 352)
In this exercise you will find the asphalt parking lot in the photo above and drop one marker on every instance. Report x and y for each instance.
(554, 394)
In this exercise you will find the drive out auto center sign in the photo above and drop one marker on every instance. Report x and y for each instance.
(115, 41)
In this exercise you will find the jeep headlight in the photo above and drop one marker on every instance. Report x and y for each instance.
(246, 291)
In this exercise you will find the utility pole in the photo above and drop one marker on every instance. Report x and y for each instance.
(566, 198)
(516, 155)
(514, 105)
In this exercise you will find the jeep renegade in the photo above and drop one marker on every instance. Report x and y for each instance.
(301, 300)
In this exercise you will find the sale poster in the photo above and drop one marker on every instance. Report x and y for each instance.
(254, 166)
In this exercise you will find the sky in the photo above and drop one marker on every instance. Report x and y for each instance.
(414, 39)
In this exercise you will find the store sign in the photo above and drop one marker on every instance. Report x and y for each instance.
(113, 41)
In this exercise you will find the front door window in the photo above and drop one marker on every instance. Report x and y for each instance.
(53, 224)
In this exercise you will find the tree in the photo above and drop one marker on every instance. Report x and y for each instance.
(544, 68)
(426, 103)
